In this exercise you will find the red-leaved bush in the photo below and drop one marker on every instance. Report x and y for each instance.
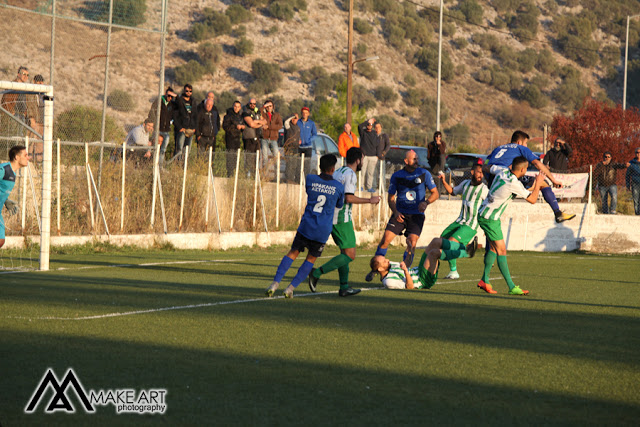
(596, 128)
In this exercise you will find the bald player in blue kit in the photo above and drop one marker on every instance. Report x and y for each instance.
(324, 195)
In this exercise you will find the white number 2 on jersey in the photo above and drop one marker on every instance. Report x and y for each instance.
(322, 199)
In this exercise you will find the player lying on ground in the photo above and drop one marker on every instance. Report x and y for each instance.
(505, 187)
(324, 194)
(396, 275)
(18, 159)
(464, 228)
(502, 157)
(342, 232)
(410, 184)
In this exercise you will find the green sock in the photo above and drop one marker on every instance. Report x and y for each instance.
(343, 273)
(333, 264)
(453, 264)
(453, 255)
(489, 259)
(451, 245)
(504, 269)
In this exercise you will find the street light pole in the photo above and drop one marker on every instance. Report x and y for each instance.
(349, 79)
(626, 59)
(439, 68)
(349, 61)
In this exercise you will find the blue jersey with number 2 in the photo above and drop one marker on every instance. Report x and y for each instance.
(505, 154)
(324, 195)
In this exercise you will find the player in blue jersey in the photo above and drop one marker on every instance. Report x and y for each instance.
(18, 158)
(501, 159)
(324, 195)
(408, 201)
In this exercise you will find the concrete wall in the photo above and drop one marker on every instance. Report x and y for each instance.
(525, 227)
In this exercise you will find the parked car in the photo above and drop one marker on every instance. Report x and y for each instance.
(459, 165)
(322, 144)
(394, 160)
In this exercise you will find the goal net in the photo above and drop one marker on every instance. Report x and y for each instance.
(26, 118)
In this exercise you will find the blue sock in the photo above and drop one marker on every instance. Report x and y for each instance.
(550, 198)
(282, 268)
(381, 251)
(302, 273)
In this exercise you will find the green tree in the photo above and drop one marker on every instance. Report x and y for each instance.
(330, 115)
(130, 13)
(84, 124)
(472, 11)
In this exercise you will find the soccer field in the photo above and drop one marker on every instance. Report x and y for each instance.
(197, 324)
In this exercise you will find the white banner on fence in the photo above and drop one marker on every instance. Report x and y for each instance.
(574, 185)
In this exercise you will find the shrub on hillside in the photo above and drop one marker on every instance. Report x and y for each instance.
(389, 123)
(238, 14)
(282, 10)
(363, 98)
(409, 79)
(120, 100)
(524, 24)
(385, 94)
(429, 111)
(361, 49)
(461, 42)
(518, 116)
(313, 73)
(546, 63)
(210, 55)
(362, 26)
(267, 77)
(486, 41)
(583, 51)
(526, 60)
(239, 31)
(472, 11)
(130, 13)
(211, 24)
(243, 46)
(190, 72)
(458, 133)
(570, 93)
(534, 96)
(414, 97)
(427, 60)
(367, 71)
(84, 124)
(225, 100)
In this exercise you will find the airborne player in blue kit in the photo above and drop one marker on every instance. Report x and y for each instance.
(502, 157)
(324, 195)
(18, 159)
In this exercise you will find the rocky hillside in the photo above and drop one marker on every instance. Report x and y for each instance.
(507, 63)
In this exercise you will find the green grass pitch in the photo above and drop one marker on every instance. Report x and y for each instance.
(568, 354)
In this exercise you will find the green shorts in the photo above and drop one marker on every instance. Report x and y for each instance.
(343, 235)
(427, 280)
(492, 228)
(462, 233)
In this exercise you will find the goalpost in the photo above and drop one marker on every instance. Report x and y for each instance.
(9, 88)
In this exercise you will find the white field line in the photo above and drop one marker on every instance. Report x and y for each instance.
(210, 304)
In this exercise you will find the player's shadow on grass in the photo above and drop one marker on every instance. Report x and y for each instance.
(209, 384)
(558, 239)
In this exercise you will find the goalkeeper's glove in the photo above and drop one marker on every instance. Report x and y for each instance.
(12, 207)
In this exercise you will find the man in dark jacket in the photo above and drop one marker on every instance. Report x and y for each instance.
(184, 119)
(369, 147)
(436, 153)
(166, 112)
(604, 176)
(207, 127)
(269, 141)
(632, 180)
(291, 147)
(557, 158)
(233, 125)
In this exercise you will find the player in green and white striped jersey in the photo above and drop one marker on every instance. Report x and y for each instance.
(396, 275)
(504, 188)
(463, 229)
(342, 233)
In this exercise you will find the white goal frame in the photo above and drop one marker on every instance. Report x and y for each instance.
(47, 164)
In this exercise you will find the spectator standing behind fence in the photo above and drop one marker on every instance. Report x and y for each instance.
(291, 147)
(166, 112)
(307, 132)
(632, 179)
(184, 119)
(16, 104)
(383, 142)
(253, 127)
(139, 137)
(207, 126)
(233, 125)
(369, 147)
(557, 158)
(347, 140)
(604, 177)
(35, 107)
(200, 106)
(436, 152)
(269, 141)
